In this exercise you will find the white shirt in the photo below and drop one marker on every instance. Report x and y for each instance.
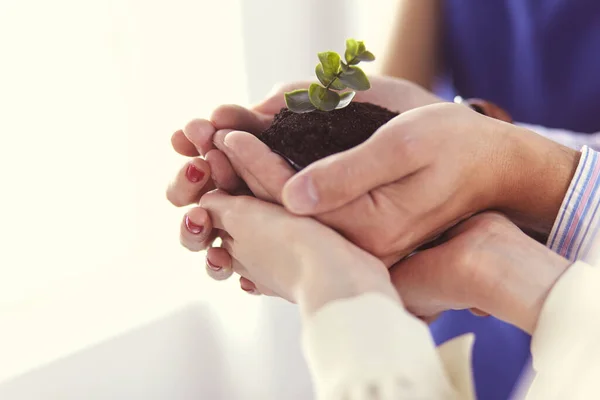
(370, 347)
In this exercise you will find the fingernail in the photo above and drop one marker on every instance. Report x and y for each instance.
(192, 227)
(213, 266)
(251, 291)
(478, 109)
(300, 196)
(226, 139)
(194, 174)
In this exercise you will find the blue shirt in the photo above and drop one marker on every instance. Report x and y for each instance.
(540, 61)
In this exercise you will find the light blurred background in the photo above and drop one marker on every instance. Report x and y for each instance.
(90, 92)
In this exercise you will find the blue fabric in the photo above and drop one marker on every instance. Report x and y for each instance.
(540, 61)
(500, 351)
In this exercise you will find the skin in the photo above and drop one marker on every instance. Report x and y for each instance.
(485, 263)
(386, 206)
(413, 50)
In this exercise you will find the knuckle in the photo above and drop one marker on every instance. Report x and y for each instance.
(176, 198)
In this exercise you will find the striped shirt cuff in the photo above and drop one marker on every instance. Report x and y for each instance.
(578, 220)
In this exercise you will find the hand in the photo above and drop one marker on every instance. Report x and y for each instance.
(430, 168)
(293, 257)
(197, 136)
(263, 171)
(419, 175)
(485, 263)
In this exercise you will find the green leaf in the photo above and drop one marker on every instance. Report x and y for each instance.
(331, 62)
(345, 99)
(298, 101)
(355, 78)
(325, 80)
(361, 47)
(323, 99)
(351, 50)
(366, 56)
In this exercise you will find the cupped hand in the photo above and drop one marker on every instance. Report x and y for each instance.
(430, 168)
(420, 174)
(257, 169)
(293, 257)
(485, 263)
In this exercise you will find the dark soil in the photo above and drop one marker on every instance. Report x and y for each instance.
(305, 138)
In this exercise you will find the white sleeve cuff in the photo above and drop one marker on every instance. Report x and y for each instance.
(370, 343)
(569, 320)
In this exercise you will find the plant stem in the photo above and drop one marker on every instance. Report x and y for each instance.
(338, 74)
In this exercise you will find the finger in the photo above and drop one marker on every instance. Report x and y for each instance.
(236, 117)
(196, 231)
(182, 145)
(239, 215)
(248, 286)
(264, 172)
(392, 153)
(490, 109)
(477, 312)
(200, 132)
(192, 180)
(223, 174)
(218, 263)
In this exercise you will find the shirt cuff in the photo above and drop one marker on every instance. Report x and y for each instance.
(578, 219)
(568, 325)
(369, 342)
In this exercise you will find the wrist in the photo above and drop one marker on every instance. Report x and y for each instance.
(322, 283)
(535, 181)
(524, 277)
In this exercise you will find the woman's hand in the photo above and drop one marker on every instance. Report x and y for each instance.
(293, 257)
(485, 263)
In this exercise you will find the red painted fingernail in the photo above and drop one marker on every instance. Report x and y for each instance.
(192, 227)
(249, 290)
(213, 266)
(194, 174)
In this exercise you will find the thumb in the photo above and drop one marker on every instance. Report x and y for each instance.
(387, 156)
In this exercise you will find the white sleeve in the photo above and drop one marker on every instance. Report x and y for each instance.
(567, 138)
(566, 342)
(369, 348)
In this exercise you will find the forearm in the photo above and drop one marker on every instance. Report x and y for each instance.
(321, 286)
(413, 48)
(528, 274)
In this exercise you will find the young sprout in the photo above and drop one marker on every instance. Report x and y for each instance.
(335, 75)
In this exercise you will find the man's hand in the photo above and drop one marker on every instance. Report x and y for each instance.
(419, 175)
(485, 264)
(430, 168)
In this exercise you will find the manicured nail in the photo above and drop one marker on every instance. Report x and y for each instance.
(300, 196)
(192, 227)
(213, 266)
(194, 174)
(250, 291)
